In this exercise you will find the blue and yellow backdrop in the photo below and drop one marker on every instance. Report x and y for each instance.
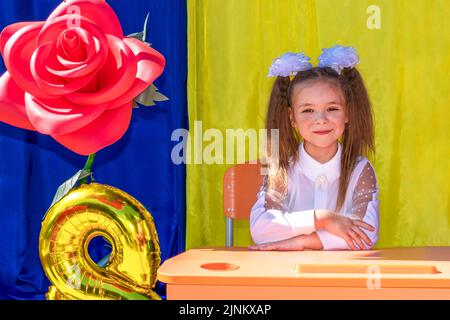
(218, 53)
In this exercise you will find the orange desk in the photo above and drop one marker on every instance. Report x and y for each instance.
(236, 273)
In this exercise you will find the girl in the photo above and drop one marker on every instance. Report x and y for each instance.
(321, 192)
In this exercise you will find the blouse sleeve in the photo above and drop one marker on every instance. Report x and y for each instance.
(364, 207)
(269, 221)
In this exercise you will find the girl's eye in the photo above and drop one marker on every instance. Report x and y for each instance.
(333, 109)
(307, 111)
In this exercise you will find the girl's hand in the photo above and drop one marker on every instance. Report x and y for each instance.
(292, 244)
(348, 229)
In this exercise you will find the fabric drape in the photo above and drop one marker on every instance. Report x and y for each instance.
(34, 165)
(405, 62)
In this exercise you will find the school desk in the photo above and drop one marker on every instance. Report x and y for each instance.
(237, 273)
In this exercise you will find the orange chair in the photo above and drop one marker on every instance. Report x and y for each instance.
(241, 184)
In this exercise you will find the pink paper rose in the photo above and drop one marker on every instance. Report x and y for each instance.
(75, 75)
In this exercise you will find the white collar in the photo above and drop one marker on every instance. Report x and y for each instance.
(313, 169)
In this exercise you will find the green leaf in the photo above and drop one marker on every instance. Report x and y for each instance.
(149, 96)
(160, 97)
(68, 185)
(144, 36)
(137, 35)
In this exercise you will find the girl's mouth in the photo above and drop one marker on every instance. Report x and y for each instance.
(322, 132)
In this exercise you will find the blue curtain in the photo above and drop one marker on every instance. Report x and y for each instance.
(34, 165)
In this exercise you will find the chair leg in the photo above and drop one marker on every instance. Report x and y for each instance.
(229, 232)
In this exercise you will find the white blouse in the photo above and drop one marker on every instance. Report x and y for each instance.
(313, 185)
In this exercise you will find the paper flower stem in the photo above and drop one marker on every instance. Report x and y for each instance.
(88, 166)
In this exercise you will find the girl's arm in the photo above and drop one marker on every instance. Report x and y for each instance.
(297, 229)
(365, 207)
(270, 223)
(301, 242)
(334, 231)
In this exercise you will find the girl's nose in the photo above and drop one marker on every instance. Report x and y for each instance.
(320, 117)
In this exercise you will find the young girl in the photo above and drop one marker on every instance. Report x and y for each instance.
(321, 192)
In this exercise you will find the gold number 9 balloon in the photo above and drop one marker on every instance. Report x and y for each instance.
(86, 212)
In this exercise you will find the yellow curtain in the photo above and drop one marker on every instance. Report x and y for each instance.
(404, 46)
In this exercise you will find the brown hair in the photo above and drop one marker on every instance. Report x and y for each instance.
(357, 139)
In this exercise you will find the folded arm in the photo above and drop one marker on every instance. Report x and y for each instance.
(275, 229)
(269, 222)
(365, 208)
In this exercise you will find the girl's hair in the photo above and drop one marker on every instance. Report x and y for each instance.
(357, 139)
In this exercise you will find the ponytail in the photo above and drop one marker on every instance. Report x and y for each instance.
(358, 137)
(278, 119)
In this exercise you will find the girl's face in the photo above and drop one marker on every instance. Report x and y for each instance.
(318, 112)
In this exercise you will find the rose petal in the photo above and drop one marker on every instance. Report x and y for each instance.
(114, 79)
(87, 42)
(104, 131)
(59, 116)
(51, 32)
(12, 107)
(8, 31)
(95, 10)
(48, 82)
(70, 43)
(96, 58)
(17, 55)
(150, 66)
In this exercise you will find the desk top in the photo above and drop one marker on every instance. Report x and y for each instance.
(426, 267)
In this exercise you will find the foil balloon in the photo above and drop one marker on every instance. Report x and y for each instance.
(89, 211)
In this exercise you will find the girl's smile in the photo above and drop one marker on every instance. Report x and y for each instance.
(322, 132)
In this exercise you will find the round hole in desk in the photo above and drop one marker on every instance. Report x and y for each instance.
(219, 266)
